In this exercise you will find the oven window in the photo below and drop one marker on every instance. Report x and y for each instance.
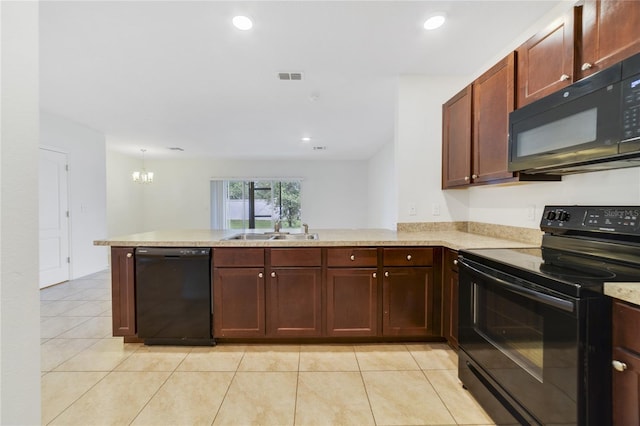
(513, 325)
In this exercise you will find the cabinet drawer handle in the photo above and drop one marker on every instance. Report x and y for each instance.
(408, 257)
(466, 178)
(273, 275)
(386, 274)
(375, 275)
(129, 255)
(353, 257)
(455, 261)
(618, 365)
(586, 66)
(260, 275)
(564, 77)
(474, 176)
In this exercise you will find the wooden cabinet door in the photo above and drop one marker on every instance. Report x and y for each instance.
(610, 33)
(456, 140)
(295, 302)
(626, 388)
(352, 302)
(238, 302)
(450, 299)
(123, 291)
(407, 301)
(546, 61)
(493, 100)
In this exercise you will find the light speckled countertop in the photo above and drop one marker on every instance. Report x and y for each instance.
(327, 238)
(629, 292)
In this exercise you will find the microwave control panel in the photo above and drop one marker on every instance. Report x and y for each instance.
(631, 108)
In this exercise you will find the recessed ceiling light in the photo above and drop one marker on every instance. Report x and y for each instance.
(242, 23)
(306, 139)
(434, 21)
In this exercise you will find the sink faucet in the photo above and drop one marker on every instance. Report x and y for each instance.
(306, 228)
(276, 227)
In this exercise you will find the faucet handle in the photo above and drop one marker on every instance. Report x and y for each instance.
(306, 228)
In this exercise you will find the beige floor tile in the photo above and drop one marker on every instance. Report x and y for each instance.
(186, 398)
(60, 390)
(155, 358)
(404, 398)
(105, 355)
(384, 357)
(217, 358)
(90, 294)
(332, 398)
(55, 326)
(328, 358)
(60, 307)
(57, 292)
(259, 398)
(459, 401)
(96, 327)
(270, 358)
(434, 356)
(91, 308)
(54, 352)
(115, 400)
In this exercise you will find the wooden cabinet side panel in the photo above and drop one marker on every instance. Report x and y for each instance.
(238, 302)
(407, 302)
(626, 389)
(450, 299)
(352, 302)
(456, 139)
(295, 302)
(123, 291)
(609, 33)
(493, 100)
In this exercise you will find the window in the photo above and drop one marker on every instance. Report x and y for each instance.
(255, 204)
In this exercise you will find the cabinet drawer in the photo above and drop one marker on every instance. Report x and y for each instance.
(408, 256)
(296, 257)
(230, 257)
(626, 326)
(350, 257)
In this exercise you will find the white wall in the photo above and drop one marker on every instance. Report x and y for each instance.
(19, 292)
(382, 189)
(125, 206)
(334, 193)
(85, 149)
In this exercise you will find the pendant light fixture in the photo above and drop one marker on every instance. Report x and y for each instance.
(144, 176)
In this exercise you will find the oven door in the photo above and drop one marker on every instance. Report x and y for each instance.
(524, 340)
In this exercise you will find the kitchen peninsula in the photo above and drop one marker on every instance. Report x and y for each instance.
(343, 285)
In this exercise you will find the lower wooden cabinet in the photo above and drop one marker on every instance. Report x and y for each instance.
(626, 364)
(238, 302)
(407, 301)
(295, 302)
(352, 302)
(123, 291)
(450, 297)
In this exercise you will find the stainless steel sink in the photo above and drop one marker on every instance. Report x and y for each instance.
(270, 236)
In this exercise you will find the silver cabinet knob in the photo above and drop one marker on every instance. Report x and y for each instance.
(375, 275)
(455, 261)
(474, 176)
(408, 257)
(386, 274)
(564, 77)
(260, 275)
(586, 66)
(466, 178)
(618, 365)
(353, 257)
(273, 275)
(129, 255)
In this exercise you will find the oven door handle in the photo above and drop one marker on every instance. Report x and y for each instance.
(543, 298)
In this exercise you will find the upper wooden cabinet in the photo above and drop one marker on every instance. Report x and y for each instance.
(610, 33)
(475, 129)
(546, 61)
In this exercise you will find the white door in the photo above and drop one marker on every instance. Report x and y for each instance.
(54, 220)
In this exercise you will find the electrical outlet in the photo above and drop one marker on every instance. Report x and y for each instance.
(435, 209)
(412, 209)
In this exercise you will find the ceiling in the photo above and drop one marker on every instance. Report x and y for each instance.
(156, 75)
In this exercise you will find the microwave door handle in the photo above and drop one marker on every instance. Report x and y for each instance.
(545, 299)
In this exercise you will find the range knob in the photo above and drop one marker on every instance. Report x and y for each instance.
(551, 215)
(563, 216)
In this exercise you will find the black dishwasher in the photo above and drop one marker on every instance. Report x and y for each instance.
(173, 295)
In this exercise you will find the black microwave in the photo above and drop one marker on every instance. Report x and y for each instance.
(593, 124)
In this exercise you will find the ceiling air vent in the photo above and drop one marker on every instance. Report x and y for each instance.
(176, 148)
(319, 148)
(290, 76)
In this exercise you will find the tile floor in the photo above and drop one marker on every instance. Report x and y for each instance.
(91, 378)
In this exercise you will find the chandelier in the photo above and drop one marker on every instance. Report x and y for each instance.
(144, 176)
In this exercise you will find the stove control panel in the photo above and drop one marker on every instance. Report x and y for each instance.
(609, 219)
